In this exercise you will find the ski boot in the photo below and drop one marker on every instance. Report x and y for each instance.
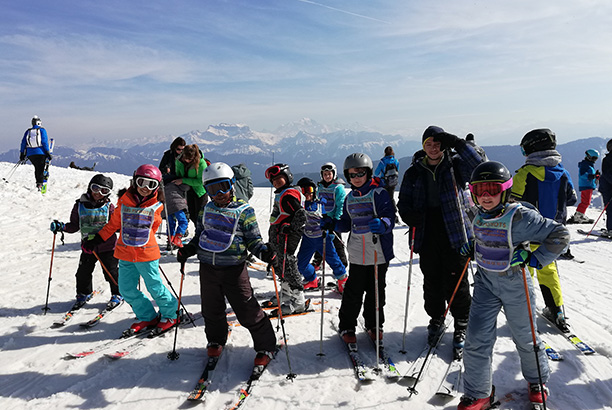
(141, 326)
(341, 283)
(435, 329)
(114, 301)
(558, 318)
(470, 403)
(536, 396)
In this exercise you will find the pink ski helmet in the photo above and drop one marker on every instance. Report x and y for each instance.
(150, 172)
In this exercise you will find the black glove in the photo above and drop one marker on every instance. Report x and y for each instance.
(22, 156)
(90, 244)
(467, 249)
(49, 157)
(267, 254)
(185, 252)
(413, 219)
(446, 140)
(285, 229)
(328, 224)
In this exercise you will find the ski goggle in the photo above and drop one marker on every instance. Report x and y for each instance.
(490, 188)
(327, 167)
(150, 184)
(217, 187)
(308, 190)
(273, 172)
(357, 174)
(102, 190)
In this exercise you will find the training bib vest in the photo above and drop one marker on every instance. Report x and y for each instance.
(136, 224)
(314, 214)
(329, 194)
(219, 227)
(91, 220)
(493, 247)
(362, 211)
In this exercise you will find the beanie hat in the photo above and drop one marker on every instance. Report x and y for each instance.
(431, 131)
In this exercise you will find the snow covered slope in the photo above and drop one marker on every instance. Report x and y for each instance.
(33, 374)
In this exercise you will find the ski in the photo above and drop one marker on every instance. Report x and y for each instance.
(247, 389)
(93, 322)
(68, 316)
(593, 233)
(417, 364)
(362, 372)
(452, 377)
(274, 313)
(572, 338)
(389, 369)
(206, 377)
(552, 353)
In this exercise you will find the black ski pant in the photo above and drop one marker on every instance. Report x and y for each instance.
(87, 264)
(290, 273)
(361, 281)
(195, 204)
(39, 167)
(232, 282)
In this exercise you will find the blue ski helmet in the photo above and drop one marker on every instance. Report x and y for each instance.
(592, 155)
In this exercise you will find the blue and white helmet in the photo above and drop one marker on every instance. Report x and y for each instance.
(592, 155)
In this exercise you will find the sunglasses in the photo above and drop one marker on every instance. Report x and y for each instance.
(489, 188)
(148, 183)
(357, 174)
(218, 187)
(179, 149)
(102, 190)
(273, 172)
(308, 190)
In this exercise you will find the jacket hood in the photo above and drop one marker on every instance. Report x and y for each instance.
(241, 171)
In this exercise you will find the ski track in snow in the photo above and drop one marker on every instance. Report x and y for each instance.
(35, 376)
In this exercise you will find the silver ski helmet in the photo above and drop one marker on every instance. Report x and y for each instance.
(491, 171)
(36, 121)
(330, 166)
(357, 160)
(541, 139)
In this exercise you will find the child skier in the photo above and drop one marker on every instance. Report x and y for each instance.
(369, 216)
(287, 222)
(137, 221)
(587, 182)
(500, 249)
(312, 240)
(89, 214)
(226, 230)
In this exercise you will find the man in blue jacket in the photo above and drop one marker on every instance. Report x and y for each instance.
(35, 147)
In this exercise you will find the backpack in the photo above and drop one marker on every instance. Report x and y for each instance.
(391, 176)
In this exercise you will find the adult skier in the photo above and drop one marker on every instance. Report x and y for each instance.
(35, 147)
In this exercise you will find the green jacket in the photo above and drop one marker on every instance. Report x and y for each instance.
(191, 177)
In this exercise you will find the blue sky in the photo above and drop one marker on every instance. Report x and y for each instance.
(118, 69)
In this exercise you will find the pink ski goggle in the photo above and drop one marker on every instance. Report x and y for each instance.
(490, 188)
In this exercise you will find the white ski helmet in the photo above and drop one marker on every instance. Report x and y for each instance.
(330, 166)
(36, 121)
(218, 170)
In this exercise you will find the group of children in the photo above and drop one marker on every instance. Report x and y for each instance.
(504, 237)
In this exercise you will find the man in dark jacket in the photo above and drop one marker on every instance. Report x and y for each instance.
(605, 187)
(429, 202)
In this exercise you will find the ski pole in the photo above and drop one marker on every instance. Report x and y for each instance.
(278, 297)
(602, 212)
(50, 270)
(324, 236)
(412, 389)
(408, 291)
(174, 355)
(177, 296)
(12, 171)
(536, 348)
(377, 304)
(291, 375)
(105, 269)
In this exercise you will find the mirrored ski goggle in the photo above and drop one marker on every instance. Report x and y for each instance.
(273, 172)
(489, 188)
(218, 187)
(151, 184)
(308, 190)
(357, 174)
(102, 190)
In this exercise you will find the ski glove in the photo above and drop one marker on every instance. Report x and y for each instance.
(446, 140)
(267, 254)
(413, 219)
(522, 257)
(90, 244)
(57, 226)
(185, 252)
(377, 226)
(22, 156)
(49, 157)
(285, 229)
(467, 249)
(328, 224)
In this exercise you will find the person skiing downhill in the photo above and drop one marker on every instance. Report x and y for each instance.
(312, 240)
(287, 222)
(35, 147)
(89, 214)
(502, 230)
(226, 231)
(429, 202)
(587, 182)
(369, 216)
(139, 216)
(544, 183)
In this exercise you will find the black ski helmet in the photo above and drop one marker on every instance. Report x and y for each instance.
(493, 171)
(541, 139)
(279, 169)
(357, 160)
(101, 180)
(609, 146)
(307, 182)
